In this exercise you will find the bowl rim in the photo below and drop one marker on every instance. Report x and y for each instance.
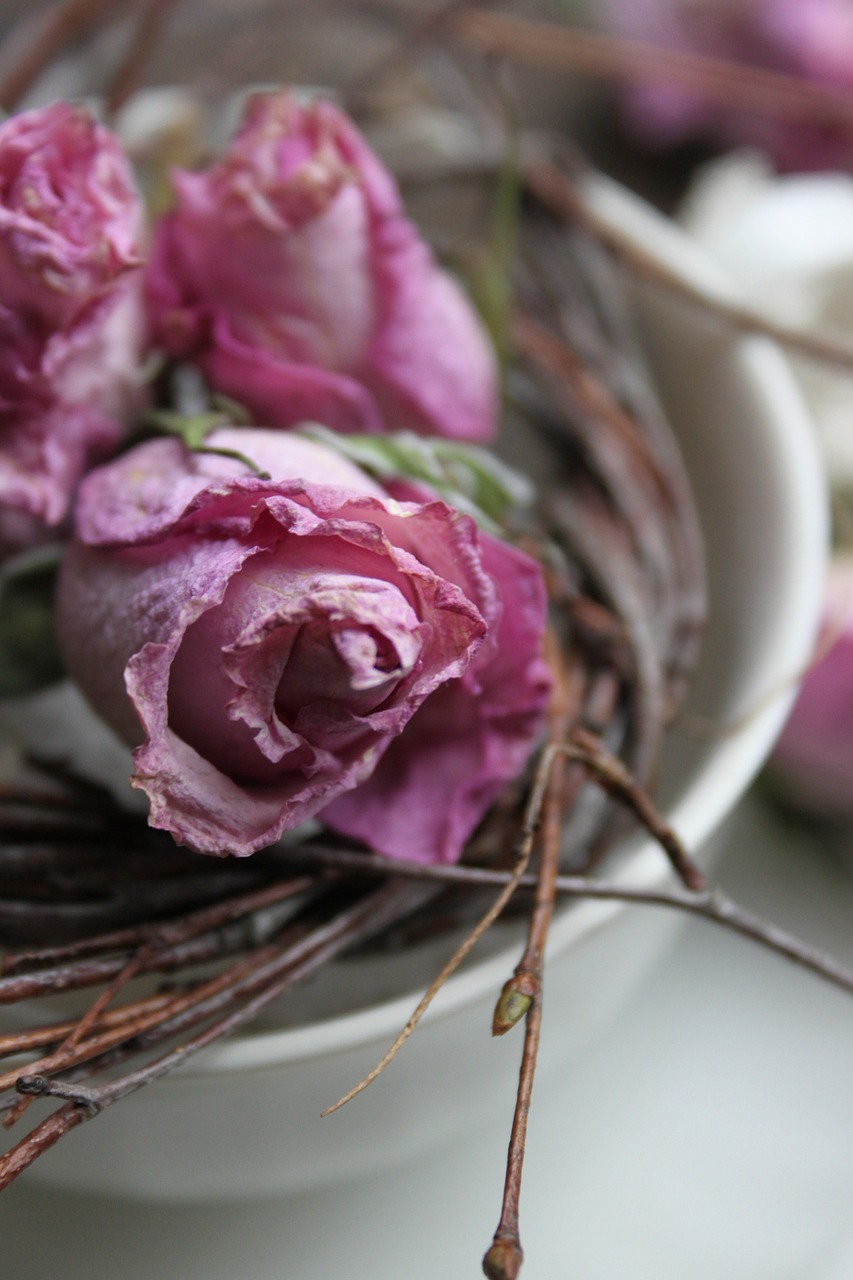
(721, 780)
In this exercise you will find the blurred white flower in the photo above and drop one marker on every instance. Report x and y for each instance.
(787, 244)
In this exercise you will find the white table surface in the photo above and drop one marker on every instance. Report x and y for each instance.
(708, 1137)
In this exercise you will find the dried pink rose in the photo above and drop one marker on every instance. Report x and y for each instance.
(290, 274)
(809, 38)
(301, 645)
(71, 312)
(813, 760)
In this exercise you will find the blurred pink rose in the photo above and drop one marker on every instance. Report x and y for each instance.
(809, 38)
(290, 274)
(71, 313)
(301, 645)
(813, 760)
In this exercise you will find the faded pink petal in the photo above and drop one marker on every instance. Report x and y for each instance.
(436, 781)
(290, 274)
(71, 314)
(273, 646)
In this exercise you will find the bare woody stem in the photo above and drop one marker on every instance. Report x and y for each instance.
(365, 917)
(64, 24)
(563, 48)
(508, 884)
(560, 194)
(522, 994)
(141, 49)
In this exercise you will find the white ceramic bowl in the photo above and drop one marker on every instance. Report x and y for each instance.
(243, 1119)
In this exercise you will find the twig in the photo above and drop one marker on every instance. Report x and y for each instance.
(559, 193)
(730, 84)
(141, 48)
(60, 27)
(521, 996)
(711, 904)
(361, 919)
(612, 774)
(509, 885)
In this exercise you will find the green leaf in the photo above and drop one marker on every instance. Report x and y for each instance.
(193, 429)
(29, 655)
(469, 478)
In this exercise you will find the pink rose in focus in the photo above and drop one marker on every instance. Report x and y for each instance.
(302, 645)
(71, 312)
(813, 760)
(808, 38)
(289, 273)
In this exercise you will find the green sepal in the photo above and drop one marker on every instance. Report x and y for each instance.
(194, 428)
(29, 654)
(467, 477)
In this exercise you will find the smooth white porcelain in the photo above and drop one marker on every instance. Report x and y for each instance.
(243, 1119)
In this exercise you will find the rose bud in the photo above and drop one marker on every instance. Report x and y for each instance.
(301, 645)
(289, 273)
(812, 765)
(71, 313)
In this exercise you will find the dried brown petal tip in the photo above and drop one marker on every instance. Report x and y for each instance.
(503, 1261)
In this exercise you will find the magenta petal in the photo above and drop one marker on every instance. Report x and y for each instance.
(286, 393)
(72, 327)
(435, 781)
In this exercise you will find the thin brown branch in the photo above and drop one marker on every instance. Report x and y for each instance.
(615, 778)
(53, 1033)
(143, 44)
(560, 194)
(510, 883)
(65, 1052)
(359, 920)
(522, 994)
(60, 27)
(173, 936)
(712, 905)
(734, 85)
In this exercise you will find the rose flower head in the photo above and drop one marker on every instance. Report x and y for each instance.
(71, 307)
(303, 644)
(289, 273)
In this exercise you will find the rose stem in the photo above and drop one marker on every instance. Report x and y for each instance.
(733, 85)
(361, 920)
(59, 28)
(141, 49)
(521, 996)
(558, 192)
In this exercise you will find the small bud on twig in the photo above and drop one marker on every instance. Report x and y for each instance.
(503, 1260)
(513, 1002)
